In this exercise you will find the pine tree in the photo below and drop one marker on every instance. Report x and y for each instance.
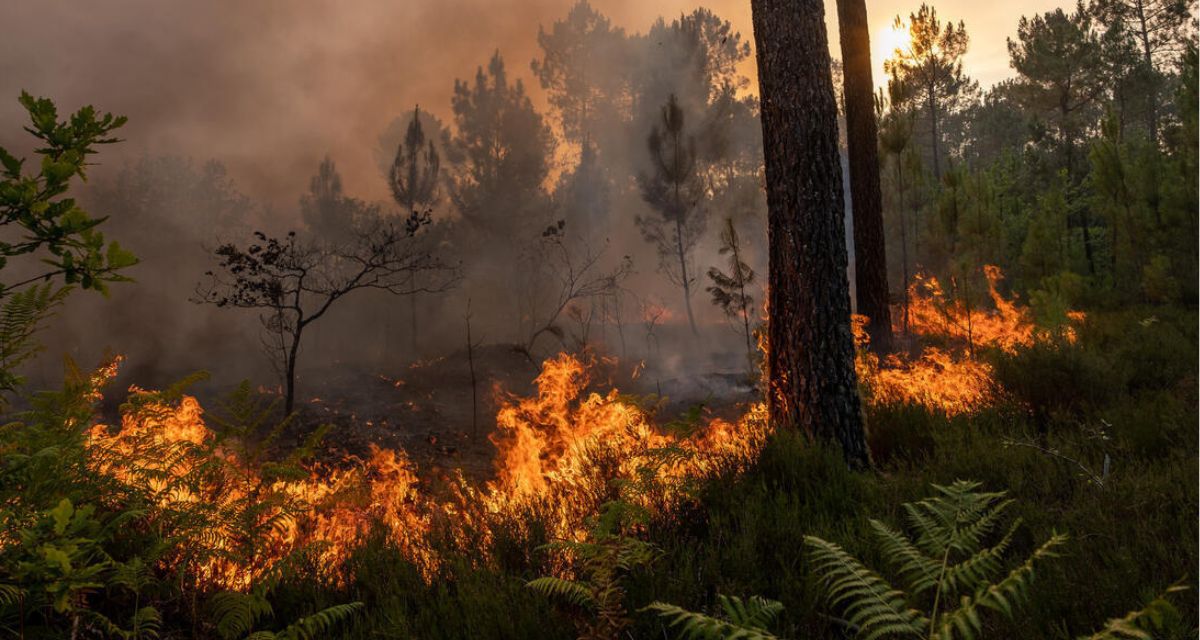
(870, 253)
(810, 364)
(729, 289)
(1159, 30)
(673, 191)
(932, 66)
(414, 182)
(1056, 56)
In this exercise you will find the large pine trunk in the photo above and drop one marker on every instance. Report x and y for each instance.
(813, 385)
(870, 258)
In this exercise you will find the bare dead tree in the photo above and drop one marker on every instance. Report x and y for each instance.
(294, 281)
(578, 278)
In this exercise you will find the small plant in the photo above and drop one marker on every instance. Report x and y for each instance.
(237, 614)
(950, 575)
(601, 564)
(740, 619)
(729, 289)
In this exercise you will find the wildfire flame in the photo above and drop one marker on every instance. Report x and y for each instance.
(561, 453)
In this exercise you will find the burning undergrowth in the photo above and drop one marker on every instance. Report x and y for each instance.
(944, 370)
(561, 452)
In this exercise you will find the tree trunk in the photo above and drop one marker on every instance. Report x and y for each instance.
(933, 134)
(903, 240)
(870, 256)
(813, 385)
(683, 272)
(290, 399)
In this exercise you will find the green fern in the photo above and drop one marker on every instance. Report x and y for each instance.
(22, 315)
(742, 619)
(569, 591)
(1142, 623)
(948, 573)
(237, 614)
(872, 605)
(601, 562)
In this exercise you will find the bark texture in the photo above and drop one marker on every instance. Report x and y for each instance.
(811, 357)
(862, 134)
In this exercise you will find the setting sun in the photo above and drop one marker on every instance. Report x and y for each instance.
(884, 44)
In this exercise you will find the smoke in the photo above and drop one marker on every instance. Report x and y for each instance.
(269, 87)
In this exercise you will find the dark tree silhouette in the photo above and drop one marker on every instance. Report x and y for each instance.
(414, 183)
(499, 159)
(870, 255)
(581, 70)
(810, 365)
(293, 282)
(673, 191)
(326, 210)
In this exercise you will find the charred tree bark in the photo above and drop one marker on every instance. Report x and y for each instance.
(813, 385)
(862, 141)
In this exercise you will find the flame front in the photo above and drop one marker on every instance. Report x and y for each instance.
(561, 454)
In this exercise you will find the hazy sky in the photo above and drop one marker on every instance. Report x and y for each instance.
(269, 86)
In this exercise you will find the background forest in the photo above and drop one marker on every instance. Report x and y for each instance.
(430, 441)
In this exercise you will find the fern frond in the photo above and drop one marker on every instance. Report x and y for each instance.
(21, 316)
(757, 612)
(917, 569)
(10, 594)
(565, 590)
(957, 520)
(237, 613)
(1003, 596)
(698, 626)
(978, 570)
(320, 624)
(1141, 623)
(871, 604)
